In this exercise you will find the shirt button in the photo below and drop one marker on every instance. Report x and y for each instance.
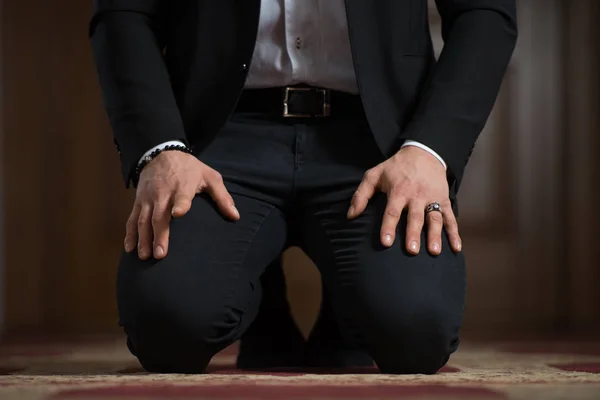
(244, 67)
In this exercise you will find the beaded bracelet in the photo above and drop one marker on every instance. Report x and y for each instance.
(145, 160)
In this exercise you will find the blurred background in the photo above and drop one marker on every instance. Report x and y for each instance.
(529, 213)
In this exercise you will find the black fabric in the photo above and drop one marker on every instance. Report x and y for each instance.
(292, 183)
(174, 70)
(273, 339)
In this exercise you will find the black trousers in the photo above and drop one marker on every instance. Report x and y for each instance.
(292, 182)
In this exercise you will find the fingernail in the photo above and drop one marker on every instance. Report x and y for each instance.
(413, 246)
(158, 250)
(235, 211)
(387, 239)
(128, 247)
(142, 253)
(351, 212)
(175, 210)
(458, 245)
(436, 247)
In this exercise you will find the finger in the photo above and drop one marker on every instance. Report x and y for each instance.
(131, 228)
(363, 194)
(218, 192)
(160, 227)
(391, 216)
(182, 202)
(451, 226)
(145, 231)
(435, 224)
(414, 226)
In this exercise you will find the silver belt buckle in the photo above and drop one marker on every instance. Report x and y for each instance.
(326, 112)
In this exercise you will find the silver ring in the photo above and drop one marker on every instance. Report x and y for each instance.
(434, 206)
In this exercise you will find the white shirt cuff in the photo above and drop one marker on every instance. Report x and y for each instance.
(160, 147)
(427, 149)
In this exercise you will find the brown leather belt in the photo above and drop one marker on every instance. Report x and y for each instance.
(300, 102)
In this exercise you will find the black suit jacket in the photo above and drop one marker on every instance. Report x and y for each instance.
(173, 69)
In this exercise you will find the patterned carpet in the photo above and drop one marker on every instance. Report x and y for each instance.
(103, 369)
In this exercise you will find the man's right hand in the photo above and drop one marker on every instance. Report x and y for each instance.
(166, 189)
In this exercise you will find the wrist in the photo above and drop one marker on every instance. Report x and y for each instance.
(149, 157)
(412, 143)
(421, 154)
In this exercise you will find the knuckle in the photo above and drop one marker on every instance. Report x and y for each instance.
(393, 212)
(370, 176)
(451, 224)
(453, 228)
(417, 219)
(414, 237)
(184, 199)
(215, 176)
(450, 220)
(159, 237)
(177, 200)
(181, 202)
(413, 234)
(143, 220)
(436, 217)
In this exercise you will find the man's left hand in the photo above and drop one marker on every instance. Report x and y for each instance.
(412, 179)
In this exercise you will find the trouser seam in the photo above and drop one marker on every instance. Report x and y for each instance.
(356, 336)
(240, 265)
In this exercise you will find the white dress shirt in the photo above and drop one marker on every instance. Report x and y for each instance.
(301, 41)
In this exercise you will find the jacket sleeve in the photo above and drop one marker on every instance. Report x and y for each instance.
(127, 42)
(479, 38)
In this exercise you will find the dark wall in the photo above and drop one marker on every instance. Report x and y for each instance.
(65, 205)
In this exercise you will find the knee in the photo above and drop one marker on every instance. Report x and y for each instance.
(160, 350)
(417, 342)
(171, 324)
(170, 337)
(180, 342)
